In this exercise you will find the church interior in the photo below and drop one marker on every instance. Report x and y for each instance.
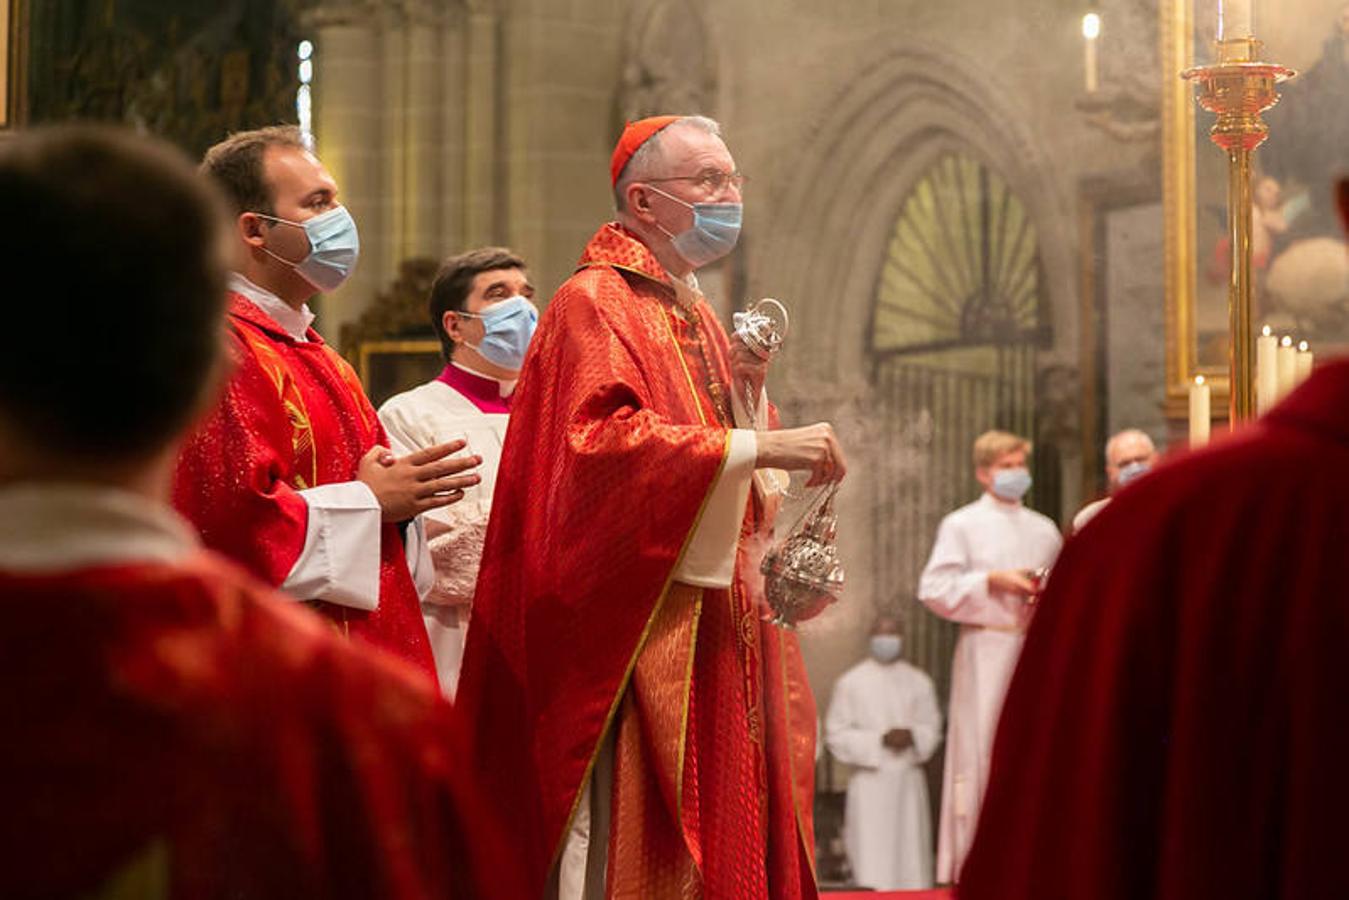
(979, 216)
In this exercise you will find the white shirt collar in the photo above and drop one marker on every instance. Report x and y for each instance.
(292, 321)
(60, 527)
(994, 503)
(505, 387)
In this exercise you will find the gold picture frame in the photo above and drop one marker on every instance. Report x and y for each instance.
(1300, 34)
(8, 29)
(1178, 203)
(14, 34)
(390, 367)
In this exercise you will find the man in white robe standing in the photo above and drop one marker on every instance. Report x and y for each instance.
(983, 575)
(884, 721)
(1129, 455)
(482, 309)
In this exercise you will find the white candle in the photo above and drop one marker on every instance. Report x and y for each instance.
(1236, 19)
(1091, 32)
(1305, 358)
(1287, 366)
(1266, 371)
(1200, 417)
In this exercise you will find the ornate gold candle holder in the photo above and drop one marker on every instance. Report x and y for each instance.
(1238, 89)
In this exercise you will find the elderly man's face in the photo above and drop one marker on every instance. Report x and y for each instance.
(1128, 450)
(697, 168)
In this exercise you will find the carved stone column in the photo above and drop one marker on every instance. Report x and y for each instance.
(346, 115)
(481, 124)
(425, 113)
(392, 139)
(450, 152)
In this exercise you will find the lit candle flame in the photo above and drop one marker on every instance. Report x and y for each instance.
(1304, 346)
(1266, 332)
(1286, 342)
(1091, 26)
(1199, 379)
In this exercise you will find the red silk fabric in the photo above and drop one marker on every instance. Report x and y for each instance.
(1176, 726)
(615, 442)
(293, 416)
(185, 726)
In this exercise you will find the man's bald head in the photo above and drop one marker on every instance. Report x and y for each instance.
(1127, 450)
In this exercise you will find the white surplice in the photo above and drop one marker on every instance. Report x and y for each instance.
(430, 414)
(887, 828)
(1087, 513)
(982, 537)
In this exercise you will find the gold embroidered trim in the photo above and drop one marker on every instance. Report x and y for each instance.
(632, 662)
(684, 714)
(688, 375)
(791, 774)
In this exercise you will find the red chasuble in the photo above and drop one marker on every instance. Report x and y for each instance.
(292, 417)
(618, 433)
(1176, 728)
(182, 731)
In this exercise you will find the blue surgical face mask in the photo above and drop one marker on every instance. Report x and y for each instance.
(1132, 472)
(885, 648)
(715, 229)
(508, 327)
(334, 247)
(1011, 484)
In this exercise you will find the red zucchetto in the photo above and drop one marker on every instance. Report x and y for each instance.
(635, 134)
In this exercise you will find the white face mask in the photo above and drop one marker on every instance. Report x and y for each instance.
(1132, 472)
(334, 247)
(1011, 484)
(885, 648)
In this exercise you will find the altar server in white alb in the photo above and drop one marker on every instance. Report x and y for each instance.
(983, 575)
(482, 309)
(884, 721)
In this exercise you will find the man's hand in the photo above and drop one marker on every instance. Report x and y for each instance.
(1012, 581)
(748, 371)
(812, 448)
(413, 484)
(898, 739)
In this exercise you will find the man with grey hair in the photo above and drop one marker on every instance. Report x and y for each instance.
(1128, 455)
(634, 712)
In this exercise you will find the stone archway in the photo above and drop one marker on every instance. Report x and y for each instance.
(824, 240)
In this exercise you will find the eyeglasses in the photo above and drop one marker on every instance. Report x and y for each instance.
(711, 180)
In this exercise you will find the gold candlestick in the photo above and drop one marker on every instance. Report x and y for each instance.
(1238, 89)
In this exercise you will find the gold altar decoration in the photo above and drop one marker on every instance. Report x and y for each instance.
(1238, 88)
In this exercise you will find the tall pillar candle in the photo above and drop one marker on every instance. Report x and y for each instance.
(1305, 358)
(1200, 415)
(1287, 366)
(1091, 33)
(1236, 19)
(1266, 371)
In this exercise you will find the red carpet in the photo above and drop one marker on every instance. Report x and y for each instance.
(942, 894)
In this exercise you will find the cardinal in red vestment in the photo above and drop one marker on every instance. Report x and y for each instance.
(634, 715)
(1176, 726)
(174, 727)
(289, 475)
